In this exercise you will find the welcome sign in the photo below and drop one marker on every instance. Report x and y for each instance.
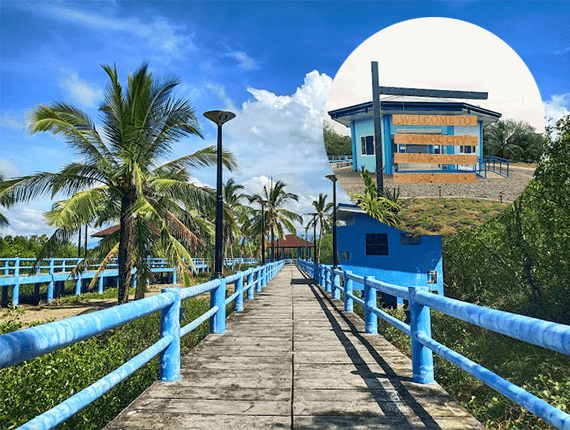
(434, 120)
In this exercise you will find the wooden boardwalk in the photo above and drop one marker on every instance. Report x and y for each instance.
(294, 360)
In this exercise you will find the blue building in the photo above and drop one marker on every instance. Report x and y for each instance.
(360, 120)
(368, 247)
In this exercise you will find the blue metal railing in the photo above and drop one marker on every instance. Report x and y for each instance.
(490, 164)
(54, 271)
(549, 335)
(26, 344)
(340, 158)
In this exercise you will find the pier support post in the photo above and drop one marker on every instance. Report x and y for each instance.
(250, 290)
(335, 285)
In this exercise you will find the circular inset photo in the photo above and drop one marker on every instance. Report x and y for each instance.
(449, 112)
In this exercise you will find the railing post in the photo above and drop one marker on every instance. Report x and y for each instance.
(78, 285)
(174, 275)
(335, 286)
(328, 279)
(52, 280)
(250, 290)
(170, 326)
(348, 302)
(370, 319)
(258, 281)
(218, 298)
(422, 356)
(239, 290)
(16, 288)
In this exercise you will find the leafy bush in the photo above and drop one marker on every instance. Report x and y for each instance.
(34, 386)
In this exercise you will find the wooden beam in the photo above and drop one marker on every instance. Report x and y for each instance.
(435, 139)
(434, 178)
(436, 158)
(420, 92)
(434, 119)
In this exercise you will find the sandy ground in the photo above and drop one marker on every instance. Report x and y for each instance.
(489, 188)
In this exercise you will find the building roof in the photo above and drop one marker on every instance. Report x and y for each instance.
(365, 110)
(107, 231)
(291, 241)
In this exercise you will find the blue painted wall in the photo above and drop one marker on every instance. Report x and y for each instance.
(406, 265)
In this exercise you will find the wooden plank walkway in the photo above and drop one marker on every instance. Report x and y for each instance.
(294, 360)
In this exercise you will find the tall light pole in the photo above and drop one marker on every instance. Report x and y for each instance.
(263, 232)
(335, 252)
(219, 117)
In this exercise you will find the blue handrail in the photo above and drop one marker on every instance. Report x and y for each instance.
(25, 344)
(549, 335)
(54, 271)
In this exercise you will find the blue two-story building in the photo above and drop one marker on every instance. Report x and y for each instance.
(359, 118)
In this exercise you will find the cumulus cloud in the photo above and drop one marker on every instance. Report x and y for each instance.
(556, 108)
(78, 89)
(280, 137)
(25, 221)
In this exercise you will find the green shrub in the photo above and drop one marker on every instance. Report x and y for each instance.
(34, 386)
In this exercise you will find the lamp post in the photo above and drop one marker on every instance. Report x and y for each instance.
(335, 256)
(263, 232)
(219, 117)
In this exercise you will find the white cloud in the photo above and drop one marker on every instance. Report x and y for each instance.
(220, 91)
(159, 32)
(280, 137)
(8, 169)
(25, 221)
(245, 61)
(79, 90)
(556, 108)
(477, 61)
(12, 122)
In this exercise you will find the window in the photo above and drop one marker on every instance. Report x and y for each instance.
(376, 244)
(367, 145)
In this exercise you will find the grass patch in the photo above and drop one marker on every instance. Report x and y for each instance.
(447, 216)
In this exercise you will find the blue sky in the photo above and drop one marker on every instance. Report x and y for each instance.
(270, 62)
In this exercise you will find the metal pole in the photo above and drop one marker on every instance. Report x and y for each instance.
(219, 211)
(262, 233)
(335, 250)
(377, 109)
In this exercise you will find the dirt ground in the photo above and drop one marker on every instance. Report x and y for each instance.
(58, 310)
(494, 187)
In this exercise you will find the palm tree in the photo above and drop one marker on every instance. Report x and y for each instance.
(3, 220)
(514, 140)
(232, 211)
(120, 176)
(379, 204)
(322, 218)
(277, 218)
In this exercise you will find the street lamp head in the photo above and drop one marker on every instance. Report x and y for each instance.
(331, 177)
(219, 117)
